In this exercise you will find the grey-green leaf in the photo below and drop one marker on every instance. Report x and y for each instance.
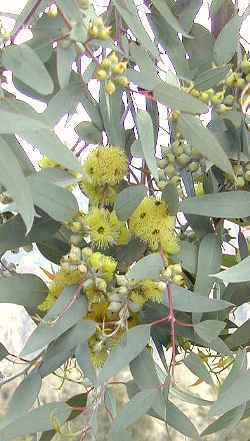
(24, 396)
(135, 341)
(210, 77)
(177, 99)
(168, 15)
(226, 422)
(89, 132)
(128, 200)
(146, 135)
(209, 330)
(209, 261)
(16, 184)
(226, 43)
(203, 139)
(188, 301)
(23, 289)
(151, 265)
(65, 59)
(198, 368)
(28, 67)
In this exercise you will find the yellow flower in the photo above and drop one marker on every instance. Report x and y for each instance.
(105, 266)
(124, 235)
(105, 194)
(152, 291)
(100, 228)
(45, 162)
(106, 165)
(137, 297)
(98, 312)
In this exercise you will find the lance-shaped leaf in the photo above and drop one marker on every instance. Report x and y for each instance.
(209, 261)
(65, 59)
(237, 273)
(177, 99)
(16, 184)
(151, 265)
(168, 15)
(28, 67)
(227, 41)
(203, 139)
(210, 77)
(188, 301)
(128, 200)
(209, 330)
(146, 135)
(24, 396)
(226, 422)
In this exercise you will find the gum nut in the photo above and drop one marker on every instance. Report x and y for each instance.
(247, 175)
(229, 100)
(195, 93)
(240, 181)
(177, 149)
(134, 307)
(175, 180)
(187, 149)
(183, 159)
(170, 170)
(162, 185)
(170, 157)
(100, 284)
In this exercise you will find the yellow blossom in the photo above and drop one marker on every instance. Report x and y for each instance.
(105, 194)
(100, 229)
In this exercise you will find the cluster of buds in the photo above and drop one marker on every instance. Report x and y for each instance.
(98, 30)
(78, 228)
(180, 155)
(173, 273)
(241, 78)
(112, 71)
(242, 175)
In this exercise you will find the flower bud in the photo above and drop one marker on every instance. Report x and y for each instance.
(82, 268)
(100, 284)
(114, 306)
(110, 88)
(121, 280)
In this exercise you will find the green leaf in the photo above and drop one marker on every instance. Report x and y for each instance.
(240, 337)
(112, 108)
(209, 330)
(226, 43)
(146, 136)
(211, 77)
(235, 395)
(143, 370)
(14, 181)
(59, 319)
(170, 195)
(13, 120)
(170, 18)
(65, 59)
(91, 106)
(209, 261)
(198, 368)
(20, 154)
(53, 360)
(188, 301)
(151, 265)
(203, 139)
(128, 12)
(58, 202)
(28, 11)
(82, 355)
(186, 13)
(135, 341)
(201, 44)
(237, 273)
(136, 149)
(239, 367)
(128, 200)
(3, 352)
(89, 132)
(38, 420)
(23, 289)
(27, 67)
(215, 7)
(189, 256)
(24, 396)
(231, 204)
(177, 99)
(137, 407)
(70, 9)
(49, 144)
(188, 397)
(227, 422)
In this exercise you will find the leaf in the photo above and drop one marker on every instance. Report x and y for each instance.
(38, 420)
(151, 265)
(237, 273)
(203, 139)
(226, 43)
(227, 422)
(240, 337)
(137, 407)
(136, 149)
(3, 352)
(209, 261)
(65, 59)
(177, 99)
(20, 154)
(128, 200)
(49, 144)
(211, 77)
(17, 186)
(82, 355)
(209, 330)
(187, 13)
(170, 195)
(30, 10)
(235, 395)
(198, 368)
(239, 367)
(202, 43)
(189, 256)
(53, 360)
(135, 341)
(215, 7)
(146, 135)
(46, 332)
(188, 397)
(184, 300)
(59, 203)
(228, 205)
(128, 12)
(71, 10)
(143, 370)
(23, 289)
(24, 396)
(89, 132)
(112, 108)
(27, 67)
(170, 18)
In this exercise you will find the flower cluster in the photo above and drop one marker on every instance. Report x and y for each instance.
(112, 71)
(98, 30)
(151, 223)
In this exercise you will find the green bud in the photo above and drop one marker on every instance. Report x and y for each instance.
(247, 176)
(239, 181)
(170, 170)
(193, 167)
(183, 160)
(170, 157)
(162, 163)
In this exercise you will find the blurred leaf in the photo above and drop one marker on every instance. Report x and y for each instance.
(19, 60)
(127, 254)
(211, 77)
(136, 149)
(146, 136)
(188, 397)
(198, 368)
(186, 12)
(53, 360)
(65, 59)
(134, 342)
(188, 301)
(236, 394)
(177, 99)
(189, 256)
(215, 7)
(203, 139)
(46, 332)
(128, 200)
(89, 132)
(151, 265)
(170, 18)
(143, 370)
(24, 396)
(23, 289)
(17, 186)
(91, 106)
(237, 273)
(54, 249)
(137, 407)
(227, 422)
(170, 195)
(201, 44)
(71, 9)
(209, 330)
(240, 337)
(239, 367)
(209, 261)
(3, 352)
(31, 9)
(112, 108)
(128, 12)
(37, 420)
(226, 43)
(226, 205)
(20, 154)
(58, 202)
(82, 355)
